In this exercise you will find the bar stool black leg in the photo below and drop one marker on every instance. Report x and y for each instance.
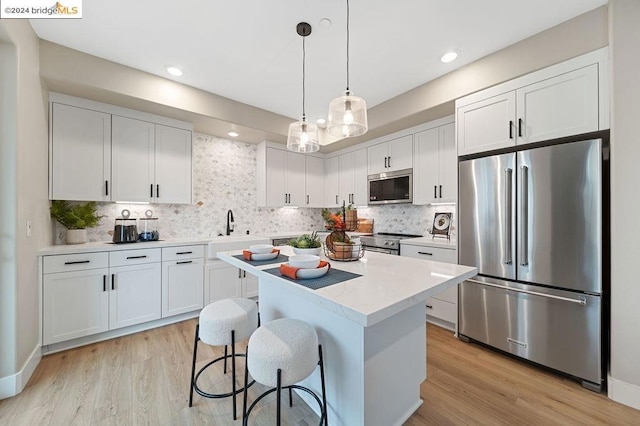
(233, 370)
(279, 389)
(225, 360)
(290, 400)
(246, 381)
(324, 392)
(193, 365)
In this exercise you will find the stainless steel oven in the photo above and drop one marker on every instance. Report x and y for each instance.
(384, 242)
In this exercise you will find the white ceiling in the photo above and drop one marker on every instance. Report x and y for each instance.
(249, 50)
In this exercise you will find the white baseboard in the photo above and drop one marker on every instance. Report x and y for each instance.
(14, 384)
(624, 393)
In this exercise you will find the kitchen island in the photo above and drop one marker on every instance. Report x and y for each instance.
(372, 329)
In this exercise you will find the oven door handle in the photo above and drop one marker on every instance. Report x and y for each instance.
(380, 250)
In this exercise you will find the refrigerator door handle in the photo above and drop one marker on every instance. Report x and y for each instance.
(580, 300)
(524, 212)
(508, 178)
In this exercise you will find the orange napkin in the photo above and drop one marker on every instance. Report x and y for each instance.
(246, 254)
(291, 272)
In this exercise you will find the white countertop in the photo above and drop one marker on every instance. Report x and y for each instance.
(388, 285)
(431, 242)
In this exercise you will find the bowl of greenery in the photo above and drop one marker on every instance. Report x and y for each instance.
(306, 244)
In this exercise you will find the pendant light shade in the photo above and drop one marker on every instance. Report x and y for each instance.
(347, 116)
(347, 113)
(303, 136)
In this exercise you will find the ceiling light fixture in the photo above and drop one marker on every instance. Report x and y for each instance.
(233, 134)
(303, 136)
(449, 57)
(347, 113)
(175, 71)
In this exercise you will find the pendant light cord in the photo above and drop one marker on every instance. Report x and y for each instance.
(348, 46)
(304, 61)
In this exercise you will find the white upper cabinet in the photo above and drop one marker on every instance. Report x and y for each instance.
(101, 152)
(331, 179)
(314, 181)
(435, 166)
(282, 177)
(560, 106)
(133, 165)
(487, 124)
(173, 165)
(396, 154)
(359, 196)
(566, 99)
(80, 156)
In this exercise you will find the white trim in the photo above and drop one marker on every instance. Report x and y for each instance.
(624, 393)
(14, 384)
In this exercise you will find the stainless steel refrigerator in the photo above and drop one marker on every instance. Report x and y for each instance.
(531, 221)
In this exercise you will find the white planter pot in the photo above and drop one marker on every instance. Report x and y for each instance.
(316, 251)
(76, 236)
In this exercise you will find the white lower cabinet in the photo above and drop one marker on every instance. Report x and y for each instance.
(442, 309)
(182, 280)
(224, 281)
(85, 294)
(135, 294)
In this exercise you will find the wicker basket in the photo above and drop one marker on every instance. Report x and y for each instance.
(337, 250)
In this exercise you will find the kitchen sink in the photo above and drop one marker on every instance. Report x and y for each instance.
(227, 243)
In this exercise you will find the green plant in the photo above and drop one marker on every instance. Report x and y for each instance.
(306, 241)
(76, 216)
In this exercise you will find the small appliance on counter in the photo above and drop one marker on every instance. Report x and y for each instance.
(149, 227)
(125, 230)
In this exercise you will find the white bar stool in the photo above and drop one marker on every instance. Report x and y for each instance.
(281, 354)
(224, 323)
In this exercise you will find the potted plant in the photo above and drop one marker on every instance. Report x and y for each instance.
(306, 244)
(76, 218)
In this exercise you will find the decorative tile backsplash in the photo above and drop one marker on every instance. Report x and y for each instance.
(224, 177)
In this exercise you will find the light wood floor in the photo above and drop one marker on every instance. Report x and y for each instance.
(144, 379)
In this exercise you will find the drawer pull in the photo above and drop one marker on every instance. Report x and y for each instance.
(77, 262)
(136, 257)
(430, 306)
(184, 252)
(425, 253)
(184, 262)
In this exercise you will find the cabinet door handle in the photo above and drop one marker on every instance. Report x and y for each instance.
(77, 262)
(151, 190)
(429, 306)
(336, 200)
(106, 187)
(184, 262)
(239, 273)
(104, 283)
(157, 191)
(184, 252)
(520, 127)
(389, 162)
(440, 191)
(113, 281)
(136, 257)
(510, 129)
(435, 191)
(425, 253)
(244, 274)
(385, 162)
(307, 198)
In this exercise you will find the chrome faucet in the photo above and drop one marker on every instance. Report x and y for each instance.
(229, 222)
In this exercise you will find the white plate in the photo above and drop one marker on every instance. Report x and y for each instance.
(305, 274)
(264, 256)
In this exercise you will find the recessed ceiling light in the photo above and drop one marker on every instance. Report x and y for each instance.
(449, 56)
(174, 71)
(321, 122)
(233, 134)
(325, 22)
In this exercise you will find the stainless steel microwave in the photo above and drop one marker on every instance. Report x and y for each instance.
(391, 187)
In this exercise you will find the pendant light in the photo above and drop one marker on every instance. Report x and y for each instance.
(303, 136)
(347, 113)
